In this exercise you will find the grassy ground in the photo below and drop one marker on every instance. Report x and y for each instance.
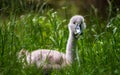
(98, 50)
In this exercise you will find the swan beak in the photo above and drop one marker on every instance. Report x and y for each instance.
(78, 30)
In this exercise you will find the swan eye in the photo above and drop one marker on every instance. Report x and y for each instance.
(73, 22)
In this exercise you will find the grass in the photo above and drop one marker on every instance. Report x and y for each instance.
(98, 50)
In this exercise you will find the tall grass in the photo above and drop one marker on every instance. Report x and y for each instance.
(98, 49)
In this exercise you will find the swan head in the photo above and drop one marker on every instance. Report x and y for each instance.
(77, 25)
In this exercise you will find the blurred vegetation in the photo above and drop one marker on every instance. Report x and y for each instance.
(102, 7)
(25, 24)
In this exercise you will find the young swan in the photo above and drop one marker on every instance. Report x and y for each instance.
(51, 59)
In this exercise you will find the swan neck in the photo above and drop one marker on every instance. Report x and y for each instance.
(70, 48)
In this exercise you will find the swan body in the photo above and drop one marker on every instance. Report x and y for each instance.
(52, 59)
(47, 59)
